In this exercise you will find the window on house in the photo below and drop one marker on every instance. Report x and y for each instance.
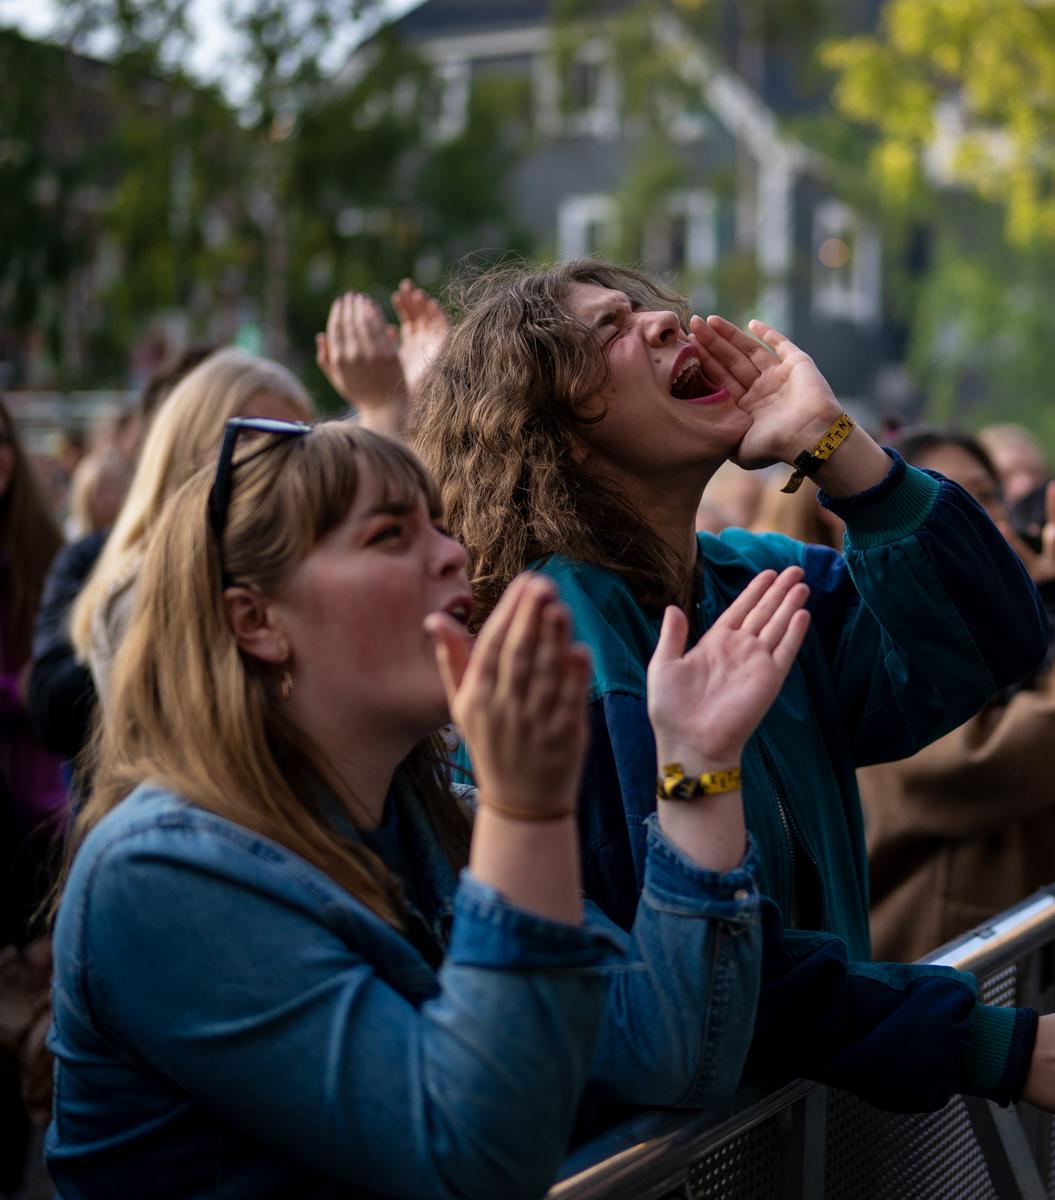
(683, 238)
(582, 86)
(586, 225)
(580, 100)
(846, 265)
(445, 100)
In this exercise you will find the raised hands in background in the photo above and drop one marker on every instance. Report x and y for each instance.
(358, 354)
(423, 325)
(1039, 561)
(706, 702)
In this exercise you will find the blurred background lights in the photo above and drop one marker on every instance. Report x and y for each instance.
(834, 252)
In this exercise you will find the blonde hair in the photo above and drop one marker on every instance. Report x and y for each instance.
(184, 434)
(191, 712)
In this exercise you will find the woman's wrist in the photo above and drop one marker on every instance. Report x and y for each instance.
(695, 760)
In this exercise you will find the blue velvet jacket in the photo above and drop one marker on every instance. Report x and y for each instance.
(927, 616)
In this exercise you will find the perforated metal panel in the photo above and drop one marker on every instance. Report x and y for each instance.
(1001, 987)
(873, 1155)
(748, 1167)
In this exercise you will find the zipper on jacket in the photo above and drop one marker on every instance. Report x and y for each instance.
(796, 844)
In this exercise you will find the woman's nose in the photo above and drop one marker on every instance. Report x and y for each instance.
(449, 554)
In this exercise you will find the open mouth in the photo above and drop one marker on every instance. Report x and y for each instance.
(461, 609)
(689, 382)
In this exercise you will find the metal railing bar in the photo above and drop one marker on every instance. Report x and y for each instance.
(671, 1134)
(677, 1137)
(999, 942)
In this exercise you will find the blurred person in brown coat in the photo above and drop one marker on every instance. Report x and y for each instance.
(966, 827)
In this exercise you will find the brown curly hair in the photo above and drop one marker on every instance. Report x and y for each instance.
(501, 415)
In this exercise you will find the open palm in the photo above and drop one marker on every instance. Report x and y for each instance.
(706, 703)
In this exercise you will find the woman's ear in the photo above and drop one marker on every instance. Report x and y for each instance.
(250, 619)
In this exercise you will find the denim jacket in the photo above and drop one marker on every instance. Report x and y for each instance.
(229, 1022)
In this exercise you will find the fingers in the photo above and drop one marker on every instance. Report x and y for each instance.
(524, 640)
(322, 356)
(768, 604)
(570, 703)
(414, 307)
(356, 330)
(789, 645)
(672, 636)
(724, 345)
(333, 322)
(1049, 504)
(483, 666)
(452, 644)
(781, 346)
(545, 671)
(734, 615)
(776, 627)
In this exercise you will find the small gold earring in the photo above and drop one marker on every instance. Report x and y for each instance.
(285, 686)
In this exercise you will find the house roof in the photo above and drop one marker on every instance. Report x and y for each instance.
(439, 18)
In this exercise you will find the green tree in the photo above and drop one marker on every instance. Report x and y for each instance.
(956, 98)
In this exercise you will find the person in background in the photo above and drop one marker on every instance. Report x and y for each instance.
(732, 500)
(798, 515)
(573, 419)
(29, 540)
(183, 435)
(97, 491)
(32, 795)
(268, 979)
(374, 367)
(965, 827)
(1019, 459)
(60, 692)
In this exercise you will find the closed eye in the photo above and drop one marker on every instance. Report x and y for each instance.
(385, 533)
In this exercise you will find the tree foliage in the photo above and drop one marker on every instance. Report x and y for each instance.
(962, 91)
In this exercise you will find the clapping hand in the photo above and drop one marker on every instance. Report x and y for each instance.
(705, 703)
(358, 354)
(519, 698)
(422, 327)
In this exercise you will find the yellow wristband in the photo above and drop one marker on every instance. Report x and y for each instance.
(811, 461)
(674, 784)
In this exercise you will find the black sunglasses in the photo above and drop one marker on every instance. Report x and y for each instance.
(220, 493)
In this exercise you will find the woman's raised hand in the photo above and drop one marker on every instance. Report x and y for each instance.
(358, 354)
(423, 325)
(706, 703)
(519, 698)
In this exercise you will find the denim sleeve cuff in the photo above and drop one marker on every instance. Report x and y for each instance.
(895, 508)
(488, 931)
(674, 883)
(999, 1049)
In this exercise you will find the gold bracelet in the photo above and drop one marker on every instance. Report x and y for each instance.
(522, 814)
(809, 462)
(674, 784)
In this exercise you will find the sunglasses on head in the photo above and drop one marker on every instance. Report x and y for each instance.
(220, 493)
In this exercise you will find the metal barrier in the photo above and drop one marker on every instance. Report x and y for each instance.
(819, 1143)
